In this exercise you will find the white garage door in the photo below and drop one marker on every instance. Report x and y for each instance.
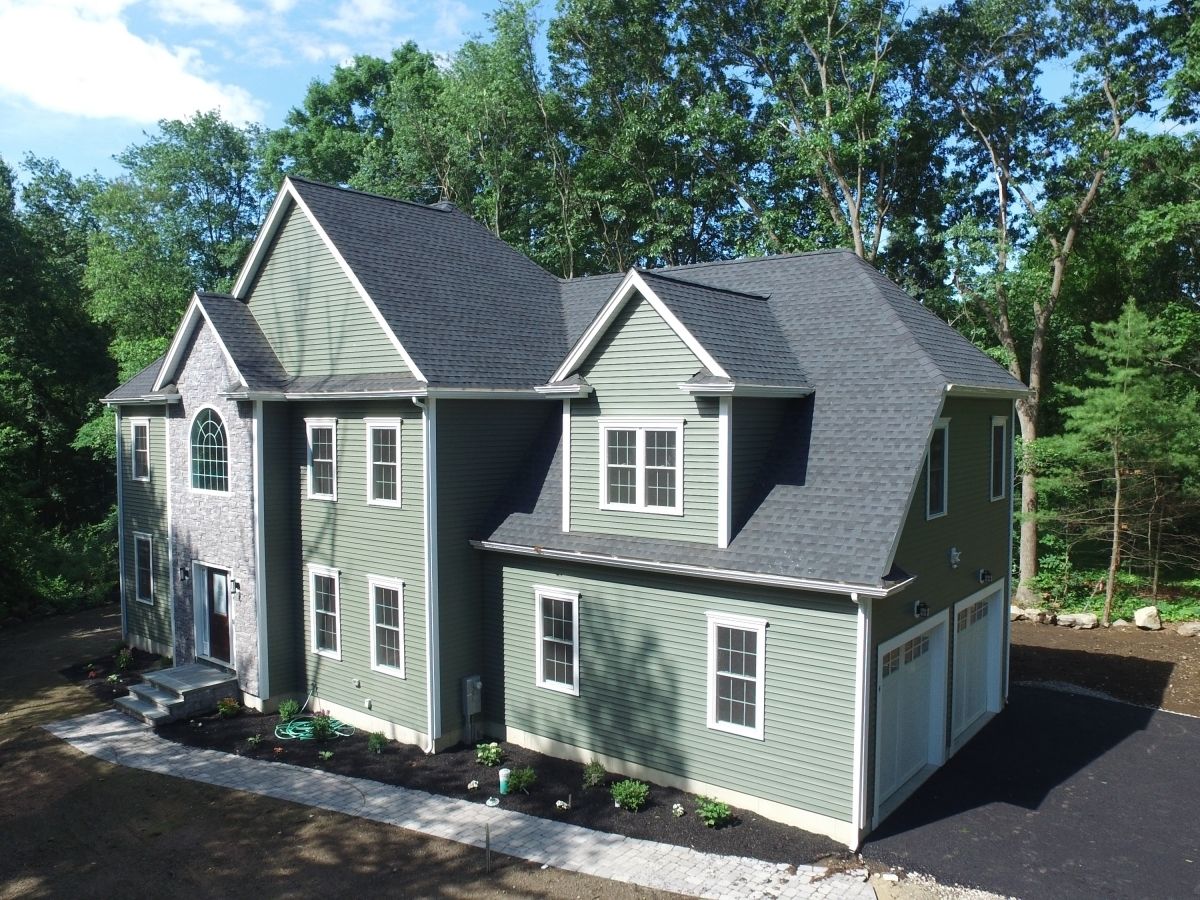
(911, 707)
(976, 661)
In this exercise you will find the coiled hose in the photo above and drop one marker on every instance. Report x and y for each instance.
(300, 728)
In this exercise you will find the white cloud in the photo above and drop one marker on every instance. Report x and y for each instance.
(365, 17)
(79, 58)
(451, 17)
(221, 13)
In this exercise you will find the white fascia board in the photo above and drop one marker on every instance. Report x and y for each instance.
(756, 578)
(485, 393)
(349, 272)
(744, 390)
(998, 393)
(144, 400)
(174, 358)
(632, 282)
(283, 200)
(563, 390)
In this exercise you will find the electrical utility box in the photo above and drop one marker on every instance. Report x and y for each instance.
(472, 690)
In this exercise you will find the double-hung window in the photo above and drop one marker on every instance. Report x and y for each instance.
(326, 611)
(383, 462)
(557, 648)
(736, 657)
(140, 455)
(387, 625)
(143, 568)
(999, 475)
(322, 459)
(937, 470)
(641, 465)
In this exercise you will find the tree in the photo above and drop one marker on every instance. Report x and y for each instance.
(1044, 163)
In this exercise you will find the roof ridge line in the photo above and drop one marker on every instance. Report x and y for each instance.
(655, 273)
(431, 207)
(866, 271)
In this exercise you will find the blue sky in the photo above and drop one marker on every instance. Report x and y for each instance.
(80, 80)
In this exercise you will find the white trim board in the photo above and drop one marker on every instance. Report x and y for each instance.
(260, 553)
(631, 284)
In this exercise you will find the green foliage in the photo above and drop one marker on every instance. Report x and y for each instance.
(322, 727)
(489, 754)
(124, 658)
(254, 740)
(376, 742)
(593, 774)
(630, 794)
(228, 707)
(1178, 600)
(713, 813)
(288, 710)
(521, 779)
(325, 755)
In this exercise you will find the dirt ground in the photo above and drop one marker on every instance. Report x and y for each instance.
(1149, 668)
(71, 825)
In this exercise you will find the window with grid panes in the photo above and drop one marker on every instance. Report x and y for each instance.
(642, 465)
(326, 634)
(141, 450)
(736, 658)
(387, 626)
(557, 639)
(383, 447)
(322, 460)
(210, 452)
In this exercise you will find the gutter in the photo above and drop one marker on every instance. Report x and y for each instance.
(967, 390)
(755, 578)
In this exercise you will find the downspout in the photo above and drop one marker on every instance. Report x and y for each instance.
(1007, 617)
(862, 707)
(170, 526)
(260, 554)
(121, 527)
(432, 635)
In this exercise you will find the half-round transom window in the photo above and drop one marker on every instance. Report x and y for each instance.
(210, 453)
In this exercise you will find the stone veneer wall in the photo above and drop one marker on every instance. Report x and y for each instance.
(217, 529)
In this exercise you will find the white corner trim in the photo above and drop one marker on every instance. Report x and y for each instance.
(390, 584)
(313, 571)
(724, 471)
(862, 729)
(742, 623)
(350, 274)
(121, 523)
(371, 425)
(433, 665)
(633, 282)
(542, 592)
(170, 521)
(174, 358)
(566, 465)
(257, 432)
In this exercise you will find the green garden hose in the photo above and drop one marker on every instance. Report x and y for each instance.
(301, 729)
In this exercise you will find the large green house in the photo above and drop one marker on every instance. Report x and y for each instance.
(737, 527)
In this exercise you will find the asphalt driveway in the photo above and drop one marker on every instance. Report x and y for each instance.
(1060, 796)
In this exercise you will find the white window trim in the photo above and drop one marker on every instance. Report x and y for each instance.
(640, 426)
(392, 584)
(309, 425)
(940, 424)
(744, 623)
(134, 425)
(313, 572)
(1002, 421)
(373, 425)
(540, 593)
(138, 535)
(228, 455)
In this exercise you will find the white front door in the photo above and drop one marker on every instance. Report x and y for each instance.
(910, 706)
(977, 629)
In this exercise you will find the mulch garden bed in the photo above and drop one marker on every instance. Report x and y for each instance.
(105, 678)
(448, 773)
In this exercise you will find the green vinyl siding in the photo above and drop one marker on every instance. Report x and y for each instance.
(643, 679)
(482, 446)
(636, 370)
(974, 524)
(753, 428)
(144, 510)
(360, 540)
(313, 317)
(280, 521)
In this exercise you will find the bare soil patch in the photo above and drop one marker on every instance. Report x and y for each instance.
(449, 772)
(106, 678)
(1147, 668)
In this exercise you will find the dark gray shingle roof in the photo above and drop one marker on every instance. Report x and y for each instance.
(139, 386)
(239, 332)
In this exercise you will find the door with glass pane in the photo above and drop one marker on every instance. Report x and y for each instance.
(212, 613)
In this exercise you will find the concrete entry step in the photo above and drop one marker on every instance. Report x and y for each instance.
(174, 693)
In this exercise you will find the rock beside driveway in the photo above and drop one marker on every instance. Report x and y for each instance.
(1147, 619)
(1189, 629)
(1079, 620)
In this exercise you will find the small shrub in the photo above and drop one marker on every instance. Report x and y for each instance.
(593, 774)
(521, 779)
(228, 707)
(114, 678)
(376, 742)
(325, 755)
(322, 727)
(712, 812)
(124, 658)
(288, 710)
(489, 754)
(254, 740)
(630, 794)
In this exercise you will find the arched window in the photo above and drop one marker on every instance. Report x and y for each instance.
(210, 452)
